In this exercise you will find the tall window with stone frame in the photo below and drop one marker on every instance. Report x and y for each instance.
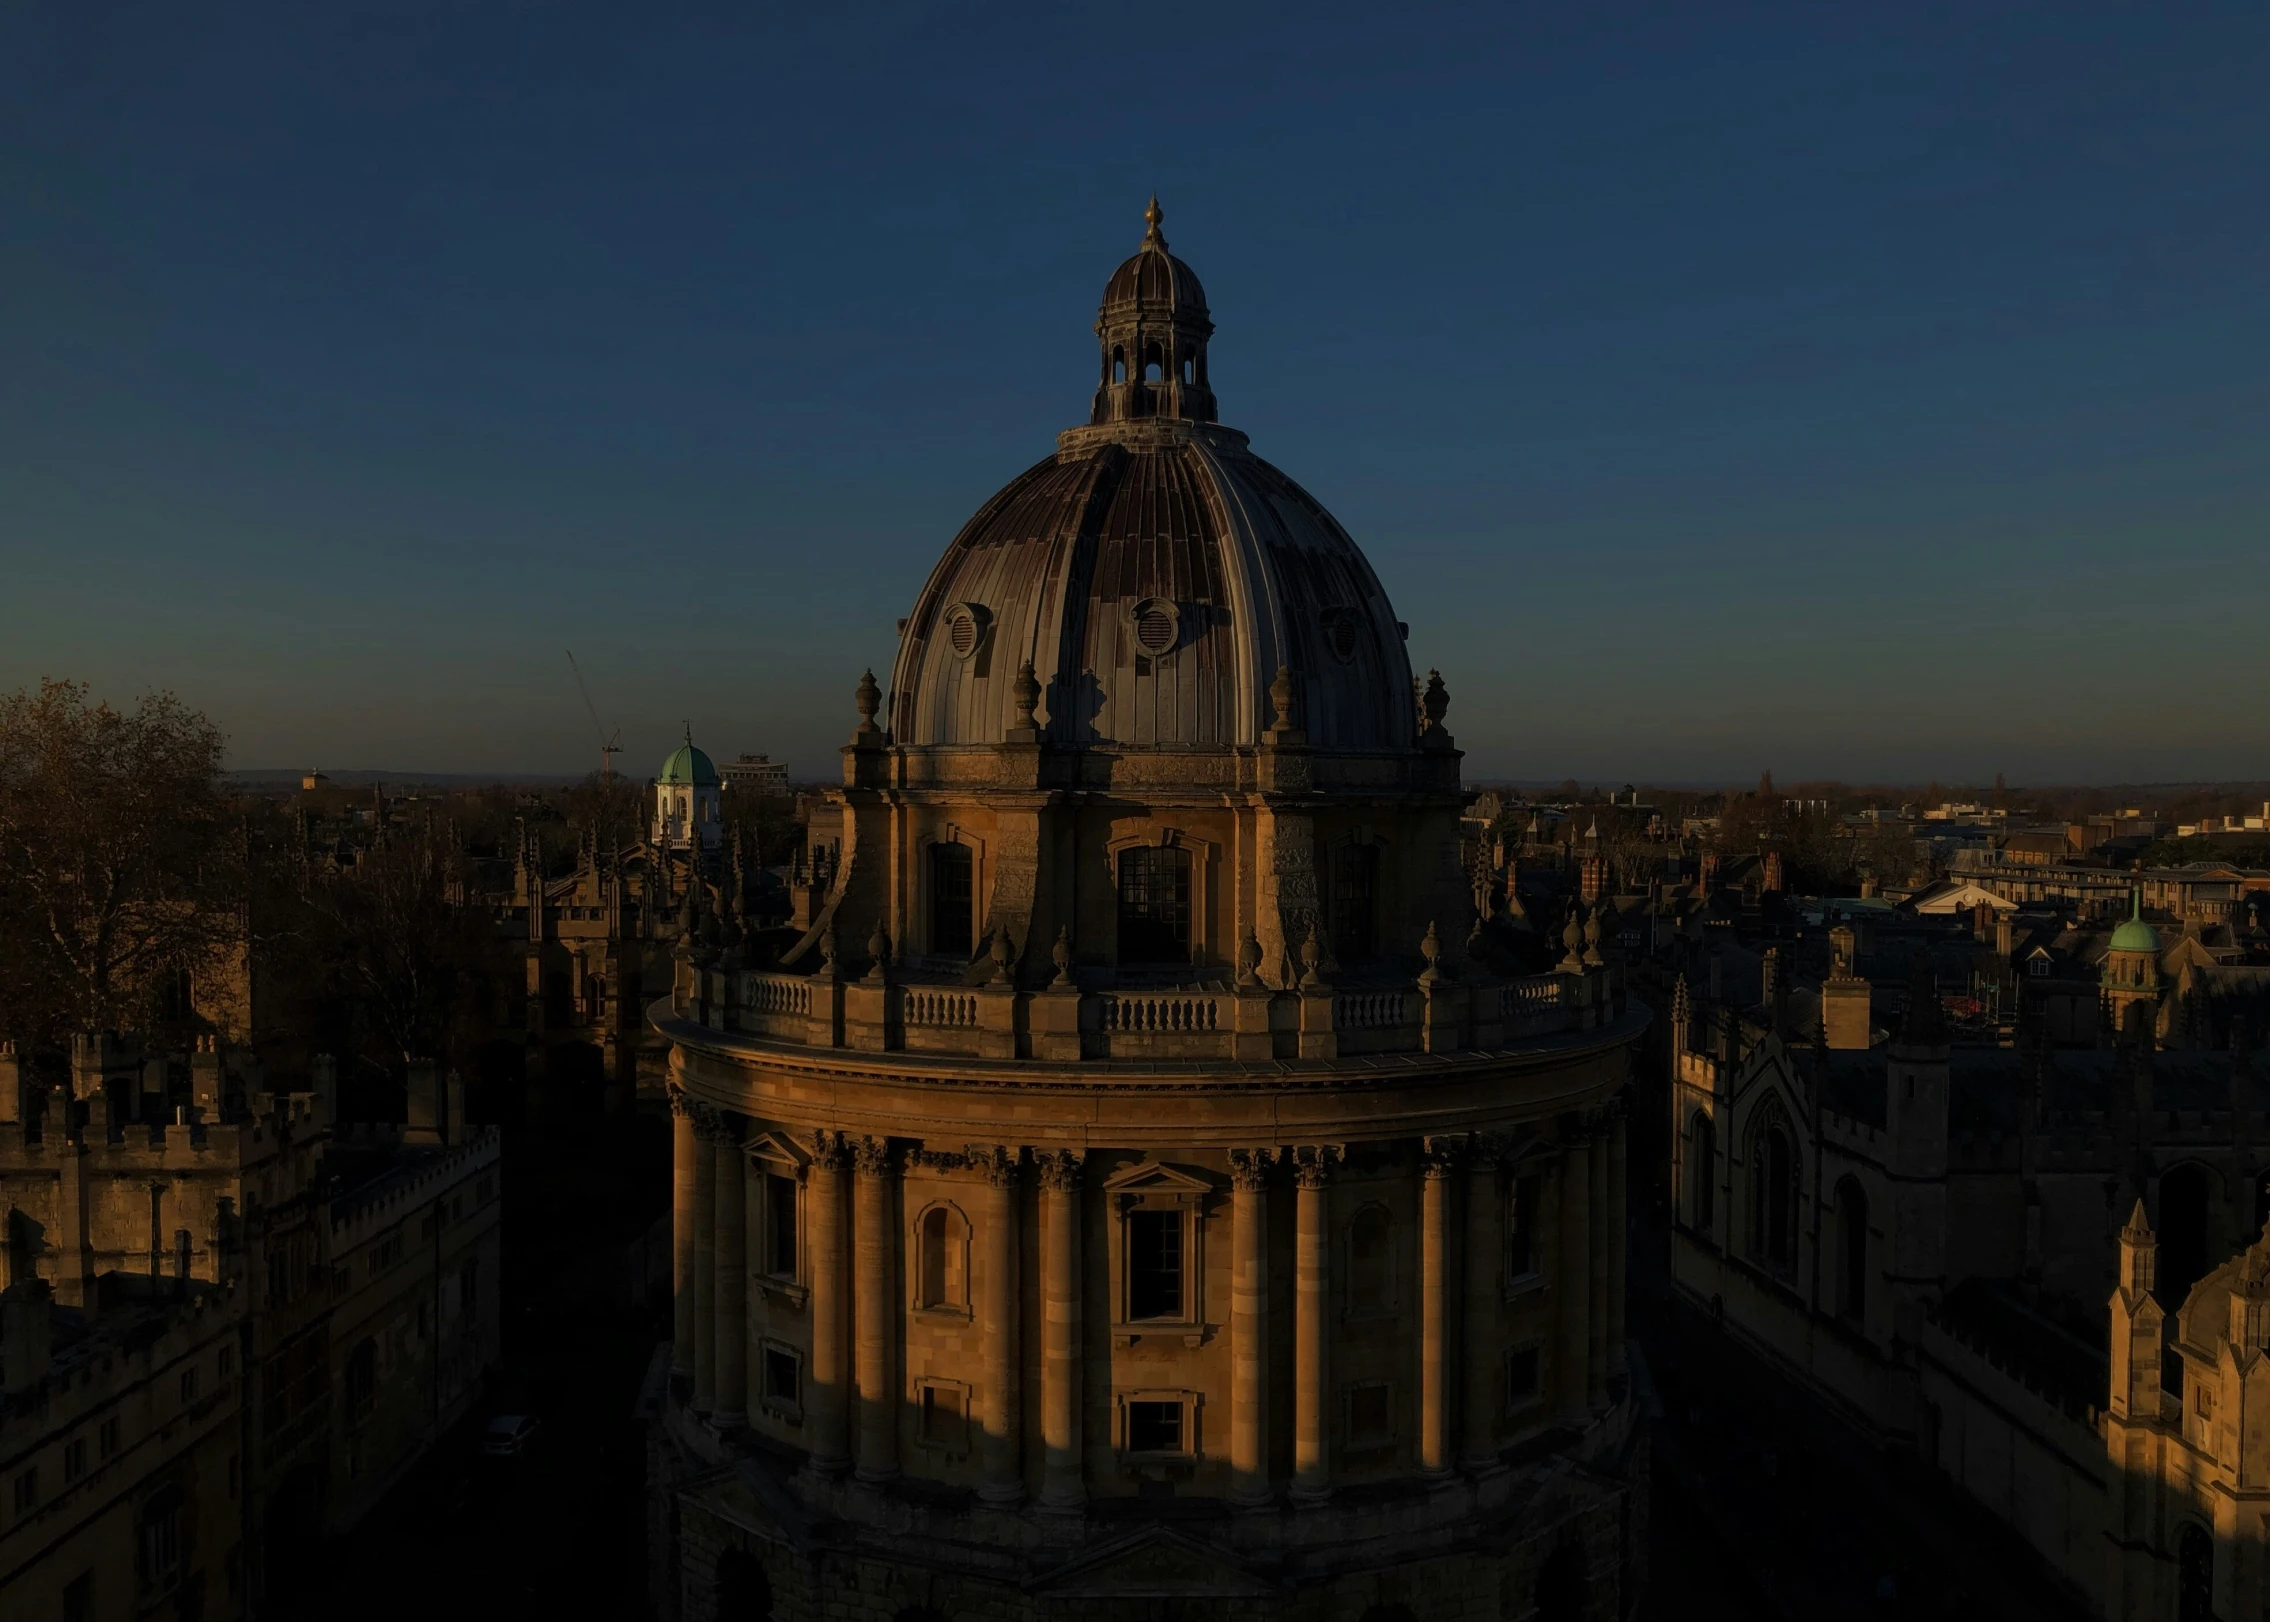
(942, 1261)
(1154, 904)
(1353, 902)
(158, 1551)
(952, 901)
(1702, 1172)
(1521, 1237)
(780, 1236)
(1154, 1264)
(1773, 1203)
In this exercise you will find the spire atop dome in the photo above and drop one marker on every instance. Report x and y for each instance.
(1153, 328)
(1153, 237)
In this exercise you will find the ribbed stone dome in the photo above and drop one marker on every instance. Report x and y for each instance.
(1155, 573)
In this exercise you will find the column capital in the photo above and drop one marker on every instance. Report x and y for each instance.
(828, 1151)
(1489, 1149)
(998, 1163)
(1314, 1164)
(872, 1157)
(1060, 1169)
(681, 1105)
(1440, 1156)
(715, 1126)
(1249, 1168)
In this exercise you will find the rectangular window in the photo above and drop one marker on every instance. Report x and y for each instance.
(160, 1549)
(945, 1417)
(783, 1388)
(780, 1225)
(106, 1439)
(952, 909)
(1521, 1378)
(1521, 1229)
(188, 1385)
(227, 1361)
(1154, 904)
(75, 1458)
(1154, 1427)
(1154, 1264)
(1355, 878)
(27, 1490)
(1371, 1417)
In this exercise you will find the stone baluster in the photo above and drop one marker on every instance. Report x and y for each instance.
(732, 1308)
(875, 1313)
(1619, 1240)
(825, 1407)
(1574, 1278)
(1249, 1325)
(685, 1146)
(1484, 1305)
(1438, 1161)
(1063, 1484)
(705, 1260)
(1002, 1456)
(1312, 1287)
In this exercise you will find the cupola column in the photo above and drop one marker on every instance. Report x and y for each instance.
(1574, 1275)
(827, 1379)
(1002, 1350)
(684, 1147)
(1434, 1331)
(874, 1234)
(1062, 1483)
(1312, 1283)
(1485, 1258)
(1249, 1325)
(732, 1325)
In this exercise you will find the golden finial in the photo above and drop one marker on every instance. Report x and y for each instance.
(1151, 217)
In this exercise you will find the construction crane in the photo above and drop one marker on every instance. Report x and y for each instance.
(609, 747)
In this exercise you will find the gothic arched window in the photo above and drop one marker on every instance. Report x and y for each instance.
(1702, 1172)
(1773, 1199)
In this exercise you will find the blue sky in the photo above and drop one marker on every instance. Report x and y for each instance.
(1866, 390)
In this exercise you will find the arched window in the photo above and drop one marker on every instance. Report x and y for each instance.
(1852, 1252)
(1189, 369)
(1702, 1172)
(1355, 878)
(744, 1592)
(1371, 1263)
(1118, 364)
(1773, 1197)
(942, 1260)
(2194, 1575)
(1154, 904)
(1154, 363)
(952, 902)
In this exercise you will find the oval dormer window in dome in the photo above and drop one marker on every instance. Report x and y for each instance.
(1158, 623)
(966, 625)
(1341, 633)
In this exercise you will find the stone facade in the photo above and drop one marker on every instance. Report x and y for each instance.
(1127, 1195)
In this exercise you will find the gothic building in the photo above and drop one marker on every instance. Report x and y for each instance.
(1128, 1195)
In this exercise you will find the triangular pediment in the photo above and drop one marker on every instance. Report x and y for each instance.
(1770, 1072)
(1157, 1177)
(779, 1148)
(1156, 1563)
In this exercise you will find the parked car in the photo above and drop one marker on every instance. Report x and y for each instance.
(508, 1434)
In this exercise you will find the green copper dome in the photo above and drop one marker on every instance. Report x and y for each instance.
(689, 765)
(2135, 935)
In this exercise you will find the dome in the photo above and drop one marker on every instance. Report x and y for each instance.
(1155, 573)
(2135, 935)
(689, 765)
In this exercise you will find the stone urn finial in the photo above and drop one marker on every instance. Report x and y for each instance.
(828, 948)
(869, 699)
(1061, 955)
(1249, 958)
(1004, 953)
(1312, 954)
(1430, 948)
(879, 948)
(1024, 693)
(1434, 704)
(1282, 730)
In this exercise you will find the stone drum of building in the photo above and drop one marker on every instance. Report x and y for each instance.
(1141, 1191)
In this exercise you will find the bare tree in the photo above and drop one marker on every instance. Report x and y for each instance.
(117, 870)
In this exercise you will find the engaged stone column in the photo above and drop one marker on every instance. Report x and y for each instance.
(1619, 1238)
(827, 1379)
(1249, 1325)
(732, 1277)
(874, 1232)
(1002, 1349)
(1596, 1325)
(685, 1146)
(1575, 1272)
(1062, 1484)
(1434, 1338)
(1312, 1285)
(705, 1260)
(1485, 1263)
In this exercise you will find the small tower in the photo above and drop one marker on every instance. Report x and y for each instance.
(2136, 1323)
(2131, 971)
(1152, 332)
(687, 806)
